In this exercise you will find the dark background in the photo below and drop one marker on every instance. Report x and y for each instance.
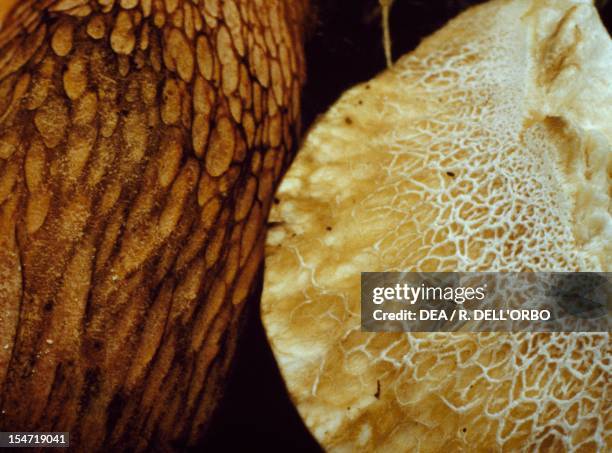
(344, 47)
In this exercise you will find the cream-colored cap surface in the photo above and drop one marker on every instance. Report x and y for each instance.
(488, 148)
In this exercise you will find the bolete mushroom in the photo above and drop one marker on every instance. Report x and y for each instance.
(140, 143)
(488, 148)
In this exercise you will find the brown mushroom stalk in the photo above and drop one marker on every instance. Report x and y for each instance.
(140, 144)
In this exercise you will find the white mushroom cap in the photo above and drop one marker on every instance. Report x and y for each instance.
(488, 148)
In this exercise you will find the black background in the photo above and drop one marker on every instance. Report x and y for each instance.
(344, 47)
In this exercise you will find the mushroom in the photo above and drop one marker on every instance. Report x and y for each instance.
(140, 143)
(488, 148)
(5, 7)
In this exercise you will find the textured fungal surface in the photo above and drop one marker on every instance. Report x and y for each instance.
(487, 148)
(140, 142)
(5, 7)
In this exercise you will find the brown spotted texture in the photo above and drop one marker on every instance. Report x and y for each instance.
(140, 142)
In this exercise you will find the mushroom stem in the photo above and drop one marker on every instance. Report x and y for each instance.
(386, 7)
